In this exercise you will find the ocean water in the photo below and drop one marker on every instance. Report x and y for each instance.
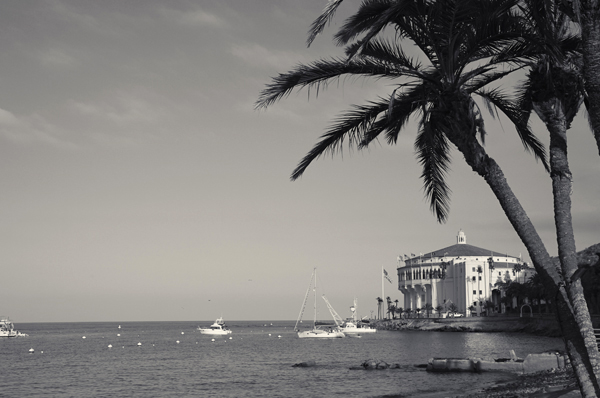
(175, 360)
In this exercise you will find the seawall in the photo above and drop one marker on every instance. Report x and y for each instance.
(545, 326)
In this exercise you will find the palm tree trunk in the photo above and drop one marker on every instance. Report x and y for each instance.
(556, 123)
(590, 35)
(572, 316)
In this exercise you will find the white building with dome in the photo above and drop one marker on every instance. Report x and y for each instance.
(461, 274)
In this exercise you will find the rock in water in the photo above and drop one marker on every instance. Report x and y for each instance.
(305, 364)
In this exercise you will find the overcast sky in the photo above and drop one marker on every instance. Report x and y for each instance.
(139, 182)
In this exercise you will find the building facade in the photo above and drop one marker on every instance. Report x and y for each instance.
(461, 274)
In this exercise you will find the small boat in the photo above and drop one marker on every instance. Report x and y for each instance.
(7, 329)
(217, 328)
(352, 326)
(326, 332)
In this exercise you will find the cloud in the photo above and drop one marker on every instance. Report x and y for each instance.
(57, 57)
(31, 129)
(258, 56)
(195, 17)
(122, 109)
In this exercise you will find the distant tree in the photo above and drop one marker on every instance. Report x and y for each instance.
(472, 309)
(439, 309)
(453, 308)
(428, 307)
(418, 312)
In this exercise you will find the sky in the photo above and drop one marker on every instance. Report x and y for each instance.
(139, 182)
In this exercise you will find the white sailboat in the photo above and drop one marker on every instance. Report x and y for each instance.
(327, 332)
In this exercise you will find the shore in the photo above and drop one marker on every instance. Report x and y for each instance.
(549, 384)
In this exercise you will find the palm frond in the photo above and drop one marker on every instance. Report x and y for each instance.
(433, 152)
(319, 24)
(318, 74)
(350, 126)
(518, 118)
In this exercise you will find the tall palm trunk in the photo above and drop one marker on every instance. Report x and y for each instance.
(551, 113)
(571, 310)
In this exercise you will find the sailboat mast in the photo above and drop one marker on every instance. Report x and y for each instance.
(315, 291)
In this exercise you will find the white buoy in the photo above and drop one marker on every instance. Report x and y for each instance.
(182, 332)
(119, 326)
(213, 340)
(230, 338)
(269, 334)
(41, 352)
(139, 343)
(83, 337)
(118, 334)
(279, 336)
(31, 350)
(110, 346)
(177, 341)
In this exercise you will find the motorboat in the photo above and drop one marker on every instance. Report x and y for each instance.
(7, 328)
(353, 327)
(318, 331)
(217, 328)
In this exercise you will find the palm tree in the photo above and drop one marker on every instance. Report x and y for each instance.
(517, 270)
(418, 311)
(555, 91)
(399, 310)
(379, 308)
(389, 304)
(466, 44)
(428, 307)
(439, 309)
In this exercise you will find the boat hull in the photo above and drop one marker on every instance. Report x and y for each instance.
(215, 332)
(320, 334)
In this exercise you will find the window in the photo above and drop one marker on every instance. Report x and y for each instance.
(474, 303)
(499, 273)
(474, 292)
(473, 269)
(474, 279)
(479, 277)
(480, 292)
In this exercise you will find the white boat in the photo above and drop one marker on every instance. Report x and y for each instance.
(319, 332)
(353, 327)
(217, 328)
(7, 329)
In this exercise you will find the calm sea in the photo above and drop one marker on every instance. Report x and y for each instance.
(175, 360)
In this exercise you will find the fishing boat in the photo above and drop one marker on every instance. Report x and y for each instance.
(217, 328)
(317, 331)
(7, 328)
(352, 326)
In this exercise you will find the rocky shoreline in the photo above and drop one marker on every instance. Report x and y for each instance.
(538, 326)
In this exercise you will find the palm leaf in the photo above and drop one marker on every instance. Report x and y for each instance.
(519, 119)
(319, 24)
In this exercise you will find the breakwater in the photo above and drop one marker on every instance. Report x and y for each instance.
(545, 326)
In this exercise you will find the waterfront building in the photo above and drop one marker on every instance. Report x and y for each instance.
(462, 274)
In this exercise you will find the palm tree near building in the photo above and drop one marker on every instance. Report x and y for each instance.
(439, 309)
(453, 308)
(389, 304)
(399, 311)
(517, 270)
(472, 309)
(408, 311)
(418, 312)
(428, 307)
(468, 44)
(379, 308)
